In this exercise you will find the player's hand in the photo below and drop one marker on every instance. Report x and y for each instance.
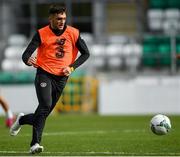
(67, 71)
(32, 61)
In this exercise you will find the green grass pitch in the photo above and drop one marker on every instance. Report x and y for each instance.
(93, 135)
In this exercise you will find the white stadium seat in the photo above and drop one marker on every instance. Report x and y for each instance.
(14, 52)
(114, 62)
(172, 14)
(155, 18)
(98, 50)
(155, 24)
(171, 25)
(132, 55)
(98, 54)
(88, 38)
(17, 39)
(114, 49)
(155, 13)
(117, 39)
(8, 65)
(22, 67)
(114, 55)
(14, 65)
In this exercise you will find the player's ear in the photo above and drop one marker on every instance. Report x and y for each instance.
(50, 17)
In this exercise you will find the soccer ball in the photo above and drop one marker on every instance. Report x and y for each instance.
(160, 124)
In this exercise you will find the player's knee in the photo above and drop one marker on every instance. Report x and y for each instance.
(44, 109)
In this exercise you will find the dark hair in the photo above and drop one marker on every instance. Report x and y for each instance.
(56, 9)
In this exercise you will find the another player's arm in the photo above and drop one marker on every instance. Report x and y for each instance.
(27, 57)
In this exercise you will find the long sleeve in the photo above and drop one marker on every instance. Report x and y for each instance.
(82, 47)
(35, 42)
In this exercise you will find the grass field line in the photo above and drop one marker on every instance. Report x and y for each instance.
(61, 133)
(93, 153)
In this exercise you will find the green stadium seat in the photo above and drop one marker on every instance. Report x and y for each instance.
(165, 54)
(174, 4)
(148, 61)
(158, 4)
(163, 4)
(150, 48)
(178, 40)
(149, 39)
(164, 49)
(149, 51)
(178, 52)
(178, 48)
(156, 50)
(153, 39)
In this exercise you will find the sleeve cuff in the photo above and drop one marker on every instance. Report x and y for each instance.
(72, 69)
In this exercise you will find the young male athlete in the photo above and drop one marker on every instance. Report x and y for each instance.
(58, 45)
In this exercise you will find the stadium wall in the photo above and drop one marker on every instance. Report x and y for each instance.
(142, 95)
(21, 98)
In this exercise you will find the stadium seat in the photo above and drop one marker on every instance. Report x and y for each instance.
(88, 38)
(118, 39)
(20, 66)
(172, 14)
(14, 65)
(98, 54)
(114, 56)
(163, 19)
(171, 26)
(156, 50)
(132, 55)
(17, 39)
(155, 19)
(165, 54)
(161, 4)
(178, 49)
(14, 52)
(171, 22)
(98, 50)
(155, 25)
(150, 49)
(178, 52)
(114, 50)
(173, 4)
(155, 13)
(8, 65)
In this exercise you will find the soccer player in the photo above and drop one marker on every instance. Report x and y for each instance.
(9, 114)
(58, 45)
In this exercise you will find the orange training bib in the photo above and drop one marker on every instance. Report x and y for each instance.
(56, 52)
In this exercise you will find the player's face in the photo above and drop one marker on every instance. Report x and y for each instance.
(57, 21)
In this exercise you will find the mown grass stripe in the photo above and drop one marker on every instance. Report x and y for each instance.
(91, 153)
(86, 132)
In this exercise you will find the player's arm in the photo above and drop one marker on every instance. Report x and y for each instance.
(27, 57)
(82, 47)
